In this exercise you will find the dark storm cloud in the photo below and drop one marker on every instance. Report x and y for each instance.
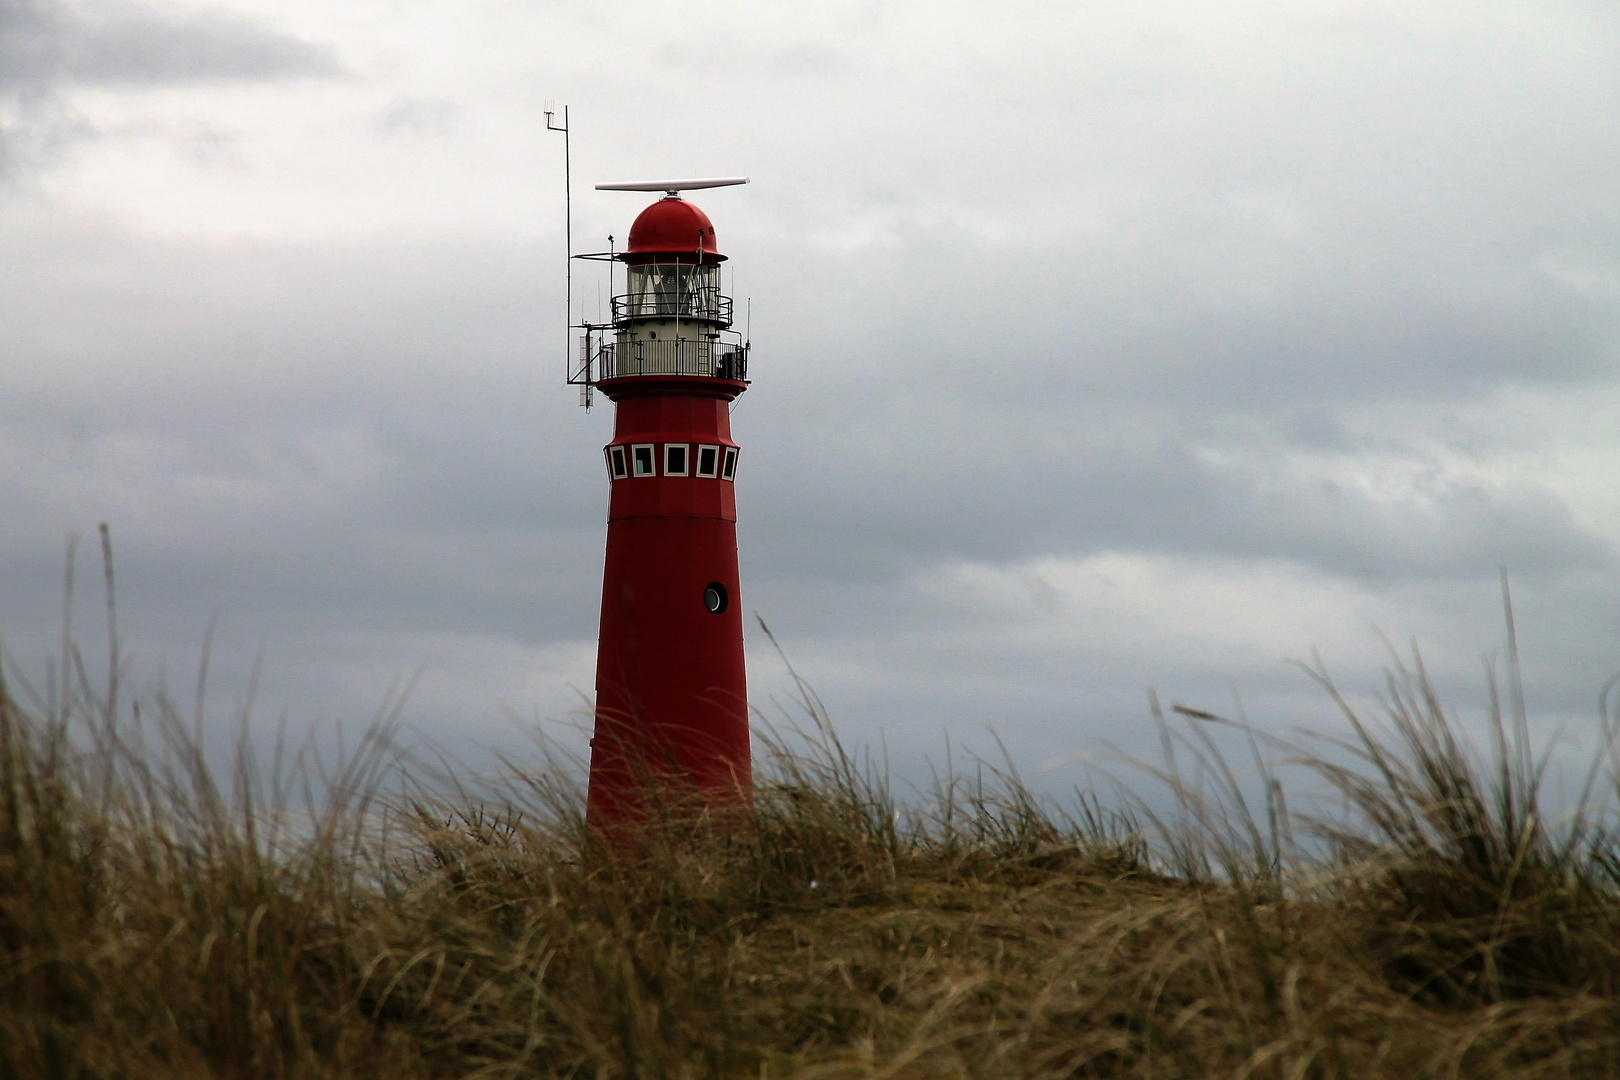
(45, 43)
(1066, 406)
(959, 451)
(356, 476)
(1003, 495)
(1454, 315)
(382, 472)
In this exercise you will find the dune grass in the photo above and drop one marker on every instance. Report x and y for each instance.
(382, 919)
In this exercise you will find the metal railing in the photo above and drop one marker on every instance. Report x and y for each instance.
(705, 304)
(684, 356)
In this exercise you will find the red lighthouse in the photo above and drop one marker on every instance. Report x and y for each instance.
(671, 700)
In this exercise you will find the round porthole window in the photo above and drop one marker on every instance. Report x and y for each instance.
(714, 597)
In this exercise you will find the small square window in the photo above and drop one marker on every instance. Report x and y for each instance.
(642, 458)
(730, 471)
(708, 461)
(616, 463)
(675, 459)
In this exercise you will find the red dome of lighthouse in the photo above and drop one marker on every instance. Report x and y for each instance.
(672, 226)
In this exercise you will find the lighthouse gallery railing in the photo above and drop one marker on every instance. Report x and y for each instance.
(706, 304)
(684, 356)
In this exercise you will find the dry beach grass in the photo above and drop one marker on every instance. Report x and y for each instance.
(376, 919)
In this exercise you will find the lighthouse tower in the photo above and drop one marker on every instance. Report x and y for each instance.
(671, 701)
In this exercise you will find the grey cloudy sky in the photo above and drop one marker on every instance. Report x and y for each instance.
(1098, 346)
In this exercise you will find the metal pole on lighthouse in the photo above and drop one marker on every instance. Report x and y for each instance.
(671, 697)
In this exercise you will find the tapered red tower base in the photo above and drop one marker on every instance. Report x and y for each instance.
(671, 694)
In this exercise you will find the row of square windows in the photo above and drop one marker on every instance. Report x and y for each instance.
(641, 459)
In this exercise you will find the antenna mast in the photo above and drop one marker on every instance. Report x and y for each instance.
(568, 228)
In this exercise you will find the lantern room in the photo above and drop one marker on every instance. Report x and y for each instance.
(672, 318)
(672, 270)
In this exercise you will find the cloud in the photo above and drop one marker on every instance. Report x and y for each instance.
(416, 116)
(42, 128)
(1115, 484)
(47, 49)
(45, 43)
(1095, 347)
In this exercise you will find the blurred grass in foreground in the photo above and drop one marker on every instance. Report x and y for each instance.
(359, 922)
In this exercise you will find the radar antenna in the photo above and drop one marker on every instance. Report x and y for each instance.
(673, 188)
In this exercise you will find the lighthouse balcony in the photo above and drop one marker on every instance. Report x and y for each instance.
(682, 356)
(704, 305)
